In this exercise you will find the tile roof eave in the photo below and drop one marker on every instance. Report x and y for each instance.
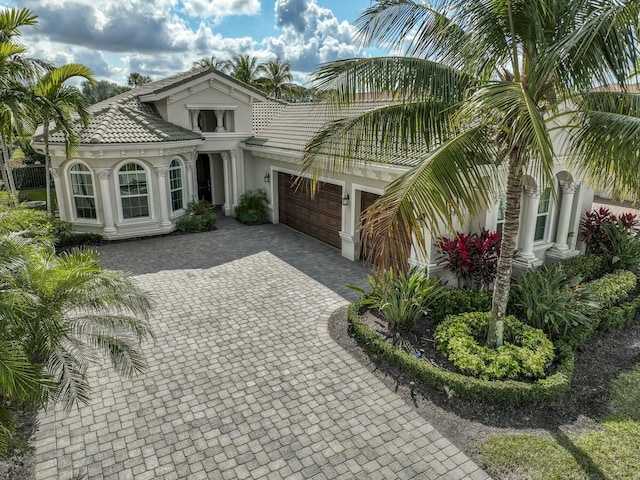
(102, 146)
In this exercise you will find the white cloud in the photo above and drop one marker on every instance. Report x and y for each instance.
(219, 9)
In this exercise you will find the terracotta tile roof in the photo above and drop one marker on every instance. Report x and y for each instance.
(297, 123)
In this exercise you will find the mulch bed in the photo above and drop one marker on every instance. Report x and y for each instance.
(601, 359)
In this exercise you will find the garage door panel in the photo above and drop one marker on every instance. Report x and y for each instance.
(319, 217)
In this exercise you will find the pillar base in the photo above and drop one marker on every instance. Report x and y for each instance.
(556, 254)
(348, 246)
(523, 265)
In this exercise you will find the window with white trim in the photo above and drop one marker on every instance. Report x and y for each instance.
(134, 192)
(175, 185)
(543, 214)
(82, 190)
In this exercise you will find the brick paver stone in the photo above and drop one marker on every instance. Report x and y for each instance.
(243, 382)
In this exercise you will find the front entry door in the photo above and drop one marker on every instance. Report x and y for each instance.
(203, 170)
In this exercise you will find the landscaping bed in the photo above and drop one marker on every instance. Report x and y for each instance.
(467, 422)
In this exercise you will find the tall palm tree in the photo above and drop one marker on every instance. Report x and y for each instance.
(72, 309)
(480, 87)
(136, 79)
(275, 77)
(209, 62)
(15, 71)
(56, 102)
(244, 68)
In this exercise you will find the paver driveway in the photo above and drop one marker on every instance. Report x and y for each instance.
(244, 382)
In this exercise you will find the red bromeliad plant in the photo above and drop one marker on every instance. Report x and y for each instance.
(472, 257)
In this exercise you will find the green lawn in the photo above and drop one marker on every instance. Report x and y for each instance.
(35, 194)
(610, 451)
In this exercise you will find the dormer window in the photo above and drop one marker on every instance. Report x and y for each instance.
(211, 118)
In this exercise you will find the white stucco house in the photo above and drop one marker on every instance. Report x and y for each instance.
(204, 135)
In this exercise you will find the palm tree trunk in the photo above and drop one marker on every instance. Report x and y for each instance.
(7, 174)
(47, 165)
(507, 249)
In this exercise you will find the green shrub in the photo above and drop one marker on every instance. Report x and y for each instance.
(552, 301)
(546, 389)
(613, 288)
(35, 223)
(624, 250)
(587, 266)
(526, 352)
(201, 218)
(252, 208)
(77, 239)
(404, 297)
(460, 300)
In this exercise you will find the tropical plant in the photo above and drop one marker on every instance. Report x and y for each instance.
(244, 68)
(16, 71)
(552, 301)
(593, 228)
(209, 62)
(200, 218)
(403, 297)
(275, 77)
(71, 309)
(136, 79)
(94, 92)
(624, 251)
(472, 257)
(475, 97)
(252, 207)
(56, 103)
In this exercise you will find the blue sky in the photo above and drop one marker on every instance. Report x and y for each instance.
(162, 37)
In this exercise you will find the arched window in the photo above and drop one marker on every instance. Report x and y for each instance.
(543, 213)
(82, 190)
(175, 185)
(134, 192)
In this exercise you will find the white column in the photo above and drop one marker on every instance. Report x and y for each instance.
(56, 172)
(105, 192)
(219, 120)
(190, 193)
(566, 206)
(162, 193)
(528, 228)
(235, 171)
(226, 171)
(194, 120)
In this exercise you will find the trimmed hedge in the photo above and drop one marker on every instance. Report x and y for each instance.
(613, 288)
(547, 389)
(460, 300)
(588, 266)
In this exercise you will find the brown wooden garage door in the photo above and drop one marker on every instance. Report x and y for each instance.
(319, 217)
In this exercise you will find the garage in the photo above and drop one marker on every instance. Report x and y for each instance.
(319, 217)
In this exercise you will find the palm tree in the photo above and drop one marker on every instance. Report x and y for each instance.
(276, 77)
(94, 92)
(209, 62)
(244, 68)
(135, 79)
(15, 71)
(55, 103)
(72, 309)
(481, 87)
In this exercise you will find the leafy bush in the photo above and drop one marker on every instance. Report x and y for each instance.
(472, 256)
(34, 223)
(598, 228)
(624, 247)
(613, 288)
(460, 300)
(201, 218)
(587, 266)
(252, 208)
(77, 239)
(552, 301)
(404, 297)
(527, 351)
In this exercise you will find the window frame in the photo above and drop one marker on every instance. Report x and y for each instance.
(73, 208)
(180, 168)
(545, 198)
(149, 192)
